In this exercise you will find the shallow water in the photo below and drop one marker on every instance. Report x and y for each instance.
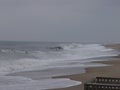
(22, 83)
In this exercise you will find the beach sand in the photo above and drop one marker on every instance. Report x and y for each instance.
(108, 71)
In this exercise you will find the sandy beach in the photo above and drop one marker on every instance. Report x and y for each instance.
(107, 71)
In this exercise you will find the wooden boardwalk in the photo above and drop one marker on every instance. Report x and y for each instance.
(103, 83)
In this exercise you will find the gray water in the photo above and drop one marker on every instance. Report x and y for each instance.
(27, 56)
(28, 65)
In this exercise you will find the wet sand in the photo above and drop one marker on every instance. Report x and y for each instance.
(108, 71)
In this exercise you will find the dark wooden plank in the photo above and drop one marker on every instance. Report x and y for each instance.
(103, 83)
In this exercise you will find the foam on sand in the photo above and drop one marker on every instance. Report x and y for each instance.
(22, 83)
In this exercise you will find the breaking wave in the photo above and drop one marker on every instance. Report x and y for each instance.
(57, 56)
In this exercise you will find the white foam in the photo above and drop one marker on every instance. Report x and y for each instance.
(26, 64)
(22, 83)
(77, 51)
(52, 59)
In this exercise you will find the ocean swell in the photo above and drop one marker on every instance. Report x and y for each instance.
(67, 55)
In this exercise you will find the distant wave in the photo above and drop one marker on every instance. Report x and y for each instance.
(13, 51)
(57, 48)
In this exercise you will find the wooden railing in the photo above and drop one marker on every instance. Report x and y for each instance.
(103, 83)
(107, 80)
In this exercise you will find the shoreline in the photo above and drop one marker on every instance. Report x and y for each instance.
(91, 72)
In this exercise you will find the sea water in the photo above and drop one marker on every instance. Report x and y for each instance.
(43, 56)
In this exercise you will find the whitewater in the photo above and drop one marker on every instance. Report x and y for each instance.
(50, 59)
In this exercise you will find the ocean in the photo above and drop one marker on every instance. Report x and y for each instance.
(19, 62)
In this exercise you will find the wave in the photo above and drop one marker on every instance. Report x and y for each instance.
(70, 55)
(77, 51)
(11, 51)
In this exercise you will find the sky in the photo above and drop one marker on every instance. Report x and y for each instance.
(60, 20)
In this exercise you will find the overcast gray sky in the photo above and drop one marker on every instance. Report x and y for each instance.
(60, 20)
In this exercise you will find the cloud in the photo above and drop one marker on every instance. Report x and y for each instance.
(61, 20)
